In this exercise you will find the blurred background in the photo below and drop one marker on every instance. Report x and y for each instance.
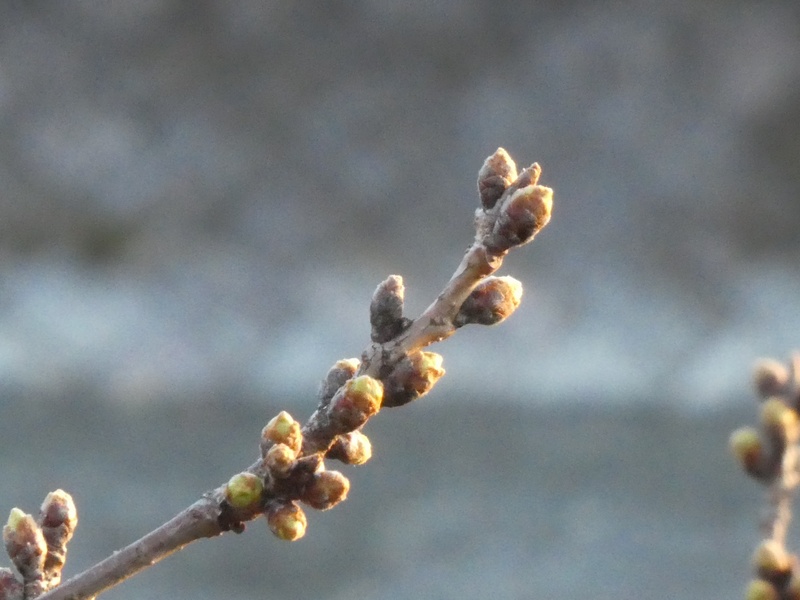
(197, 200)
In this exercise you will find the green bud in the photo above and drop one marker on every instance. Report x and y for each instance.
(758, 589)
(286, 520)
(336, 377)
(244, 490)
(779, 418)
(25, 543)
(282, 429)
(279, 460)
(745, 444)
(326, 490)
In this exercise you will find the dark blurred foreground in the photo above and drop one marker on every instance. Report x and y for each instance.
(459, 501)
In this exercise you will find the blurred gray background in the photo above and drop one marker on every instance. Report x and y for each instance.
(197, 200)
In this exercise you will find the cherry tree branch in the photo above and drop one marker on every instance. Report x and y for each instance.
(393, 371)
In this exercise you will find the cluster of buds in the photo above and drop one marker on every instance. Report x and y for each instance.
(771, 455)
(514, 207)
(38, 546)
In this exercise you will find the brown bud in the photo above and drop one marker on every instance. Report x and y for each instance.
(496, 174)
(326, 490)
(357, 400)
(770, 378)
(772, 563)
(286, 520)
(280, 460)
(779, 419)
(339, 373)
(58, 519)
(412, 378)
(491, 302)
(10, 587)
(523, 215)
(25, 544)
(352, 448)
(386, 310)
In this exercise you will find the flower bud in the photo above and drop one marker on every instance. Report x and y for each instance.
(10, 587)
(244, 490)
(286, 520)
(386, 310)
(279, 460)
(779, 419)
(496, 174)
(758, 589)
(770, 378)
(746, 445)
(352, 448)
(326, 490)
(357, 400)
(772, 563)
(523, 215)
(25, 543)
(58, 518)
(492, 301)
(412, 378)
(337, 375)
(282, 429)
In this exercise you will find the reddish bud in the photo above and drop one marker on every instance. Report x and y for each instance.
(286, 520)
(282, 429)
(357, 400)
(496, 174)
(492, 301)
(412, 378)
(10, 587)
(523, 214)
(326, 490)
(58, 519)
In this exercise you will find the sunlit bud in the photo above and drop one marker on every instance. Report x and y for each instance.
(770, 378)
(758, 589)
(386, 310)
(352, 448)
(58, 518)
(282, 429)
(522, 216)
(244, 490)
(772, 562)
(412, 378)
(358, 400)
(337, 375)
(496, 174)
(280, 460)
(777, 417)
(24, 543)
(492, 301)
(746, 445)
(10, 587)
(326, 490)
(286, 520)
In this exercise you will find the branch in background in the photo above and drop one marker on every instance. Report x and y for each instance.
(394, 370)
(771, 455)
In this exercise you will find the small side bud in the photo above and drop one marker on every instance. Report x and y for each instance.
(412, 378)
(326, 490)
(386, 310)
(758, 589)
(352, 448)
(772, 563)
(492, 301)
(779, 419)
(770, 378)
(25, 544)
(523, 214)
(496, 174)
(244, 490)
(286, 520)
(280, 460)
(746, 446)
(337, 375)
(358, 400)
(282, 429)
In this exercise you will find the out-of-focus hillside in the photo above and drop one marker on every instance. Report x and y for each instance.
(196, 194)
